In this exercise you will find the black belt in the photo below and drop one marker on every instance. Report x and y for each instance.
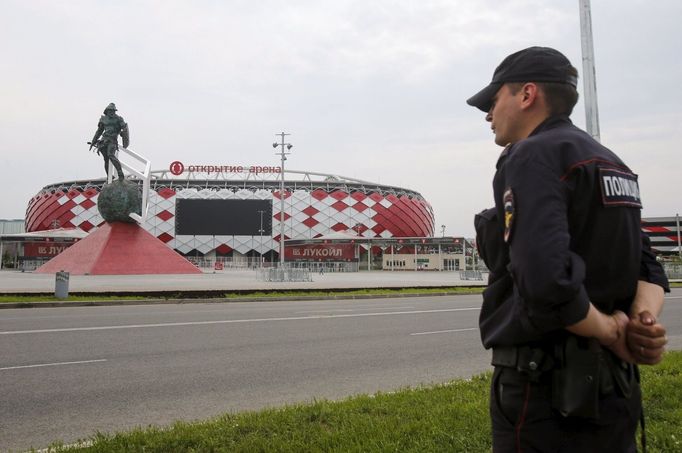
(533, 361)
(526, 359)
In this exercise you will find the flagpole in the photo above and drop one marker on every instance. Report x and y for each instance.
(589, 75)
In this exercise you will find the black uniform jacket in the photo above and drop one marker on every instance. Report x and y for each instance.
(565, 231)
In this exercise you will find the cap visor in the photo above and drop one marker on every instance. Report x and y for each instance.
(483, 100)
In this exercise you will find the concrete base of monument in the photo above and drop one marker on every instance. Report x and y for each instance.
(119, 248)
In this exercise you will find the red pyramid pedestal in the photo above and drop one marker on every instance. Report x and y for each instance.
(119, 248)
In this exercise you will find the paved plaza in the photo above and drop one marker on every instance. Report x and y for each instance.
(228, 280)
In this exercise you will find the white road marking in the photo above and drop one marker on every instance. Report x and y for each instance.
(351, 309)
(51, 364)
(324, 311)
(444, 331)
(233, 321)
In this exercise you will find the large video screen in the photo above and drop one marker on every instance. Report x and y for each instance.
(223, 217)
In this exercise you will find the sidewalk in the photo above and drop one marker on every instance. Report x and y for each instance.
(228, 280)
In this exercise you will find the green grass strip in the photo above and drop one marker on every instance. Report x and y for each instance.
(274, 295)
(44, 298)
(340, 293)
(441, 418)
(662, 395)
(358, 292)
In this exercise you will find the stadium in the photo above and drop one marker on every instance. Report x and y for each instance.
(231, 214)
(211, 211)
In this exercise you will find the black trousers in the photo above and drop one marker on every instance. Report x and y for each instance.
(523, 419)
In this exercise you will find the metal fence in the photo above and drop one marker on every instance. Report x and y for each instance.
(31, 265)
(673, 270)
(471, 275)
(284, 274)
(246, 263)
(325, 267)
(225, 262)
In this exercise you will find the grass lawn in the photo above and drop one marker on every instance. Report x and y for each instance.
(221, 296)
(255, 295)
(443, 418)
(77, 298)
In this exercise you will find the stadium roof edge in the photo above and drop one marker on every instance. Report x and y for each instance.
(308, 178)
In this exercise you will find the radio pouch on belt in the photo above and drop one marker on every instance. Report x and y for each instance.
(576, 376)
(623, 374)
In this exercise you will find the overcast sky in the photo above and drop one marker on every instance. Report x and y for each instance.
(374, 90)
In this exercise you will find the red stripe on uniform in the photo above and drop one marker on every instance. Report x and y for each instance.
(522, 419)
(589, 161)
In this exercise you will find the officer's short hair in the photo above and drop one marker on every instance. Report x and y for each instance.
(560, 97)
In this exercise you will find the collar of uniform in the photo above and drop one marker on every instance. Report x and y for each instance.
(550, 123)
(503, 155)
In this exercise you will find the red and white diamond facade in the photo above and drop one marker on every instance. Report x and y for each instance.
(664, 233)
(315, 205)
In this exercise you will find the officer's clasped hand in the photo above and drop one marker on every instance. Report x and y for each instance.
(620, 346)
(646, 338)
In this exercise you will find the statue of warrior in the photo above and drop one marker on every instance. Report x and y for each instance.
(110, 126)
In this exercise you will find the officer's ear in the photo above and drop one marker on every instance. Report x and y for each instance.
(530, 94)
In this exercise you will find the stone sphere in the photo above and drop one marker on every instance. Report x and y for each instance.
(118, 199)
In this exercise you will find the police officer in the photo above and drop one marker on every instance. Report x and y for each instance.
(110, 126)
(574, 291)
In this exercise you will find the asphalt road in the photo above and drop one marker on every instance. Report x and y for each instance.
(68, 372)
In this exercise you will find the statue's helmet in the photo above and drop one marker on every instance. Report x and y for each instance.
(111, 106)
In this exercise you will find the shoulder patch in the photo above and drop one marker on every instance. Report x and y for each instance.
(508, 203)
(619, 188)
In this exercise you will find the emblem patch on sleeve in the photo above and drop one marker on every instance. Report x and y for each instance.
(508, 202)
(619, 188)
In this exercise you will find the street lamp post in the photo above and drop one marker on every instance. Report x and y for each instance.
(260, 250)
(679, 242)
(283, 155)
(440, 256)
(589, 76)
